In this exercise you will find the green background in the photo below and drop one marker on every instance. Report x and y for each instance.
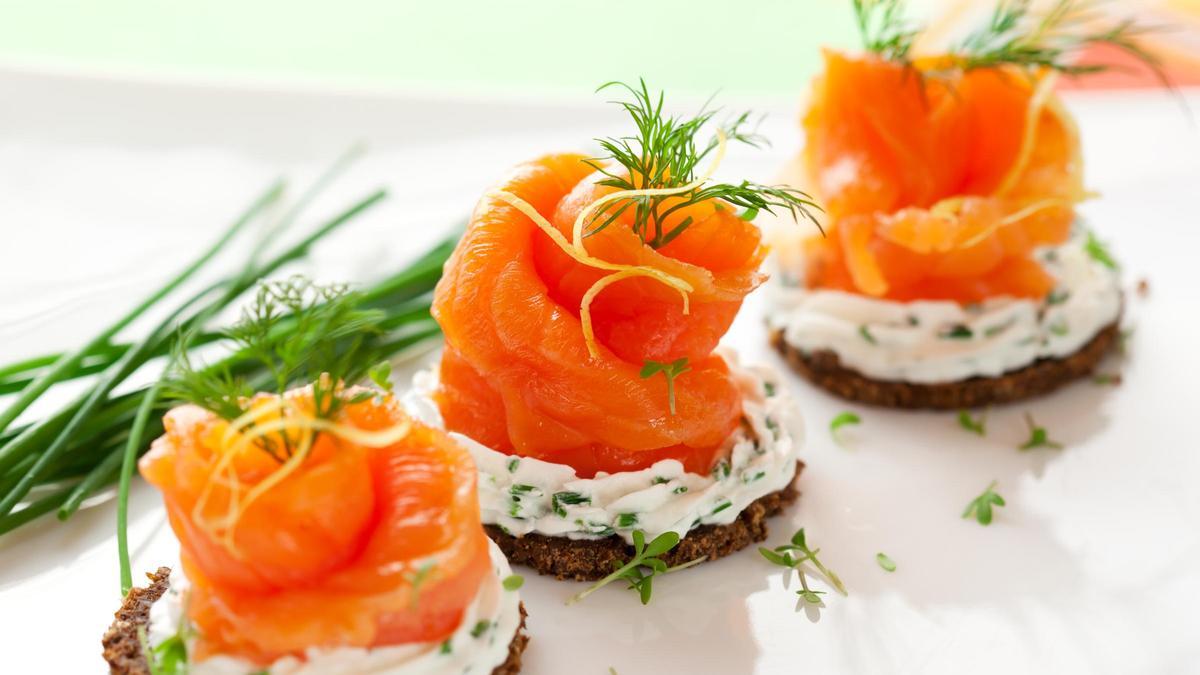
(750, 47)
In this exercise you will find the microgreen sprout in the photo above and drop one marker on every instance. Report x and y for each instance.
(793, 556)
(641, 569)
(670, 371)
(981, 506)
(1038, 436)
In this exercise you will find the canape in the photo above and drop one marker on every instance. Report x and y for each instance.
(954, 271)
(582, 311)
(321, 529)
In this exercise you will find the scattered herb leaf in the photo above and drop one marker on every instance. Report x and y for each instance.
(1038, 436)
(512, 582)
(981, 506)
(975, 426)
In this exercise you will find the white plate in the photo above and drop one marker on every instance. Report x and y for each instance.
(106, 186)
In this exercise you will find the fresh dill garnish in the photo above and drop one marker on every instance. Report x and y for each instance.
(971, 424)
(793, 556)
(1014, 35)
(1099, 251)
(884, 29)
(665, 153)
(840, 420)
(300, 332)
(512, 582)
(1038, 436)
(670, 371)
(641, 569)
(885, 562)
(981, 506)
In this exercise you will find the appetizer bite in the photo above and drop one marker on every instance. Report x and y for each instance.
(582, 310)
(321, 529)
(954, 271)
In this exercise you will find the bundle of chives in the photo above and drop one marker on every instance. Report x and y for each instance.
(82, 447)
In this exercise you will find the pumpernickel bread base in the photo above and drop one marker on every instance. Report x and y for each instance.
(824, 369)
(123, 647)
(592, 559)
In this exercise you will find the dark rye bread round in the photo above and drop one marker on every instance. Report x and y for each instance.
(123, 647)
(1044, 375)
(592, 559)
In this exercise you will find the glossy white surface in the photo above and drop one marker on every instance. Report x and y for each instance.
(105, 187)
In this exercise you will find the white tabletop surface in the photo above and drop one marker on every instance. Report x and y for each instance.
(107, 186)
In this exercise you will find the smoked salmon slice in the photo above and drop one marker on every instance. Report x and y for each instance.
(360, 544)
(938, 183)
(517, 374)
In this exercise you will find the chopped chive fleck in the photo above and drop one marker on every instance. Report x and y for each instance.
(885, 562)
(522, 489)
(445, 649)
(747, 478)
(480, 628)
(913, 320)
(560, 500)
(680, 490)
(721, 470)
(1099, 251)
(768, 388)
(512, 582)
(593, 527)
(1059, 328)
(957, 332)
(626, 520)
(658, 480)
(841, 420)
(865, 333)
(513, 464)
(1057, 296)
(723, 505)
(772, 425)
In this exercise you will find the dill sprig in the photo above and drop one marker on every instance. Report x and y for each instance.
(665, 153)
(300, 332)
(884, 29)
(1014, 35)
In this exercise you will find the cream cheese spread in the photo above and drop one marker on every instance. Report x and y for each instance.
(478, 645)
(942, 341)
(524, 495)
